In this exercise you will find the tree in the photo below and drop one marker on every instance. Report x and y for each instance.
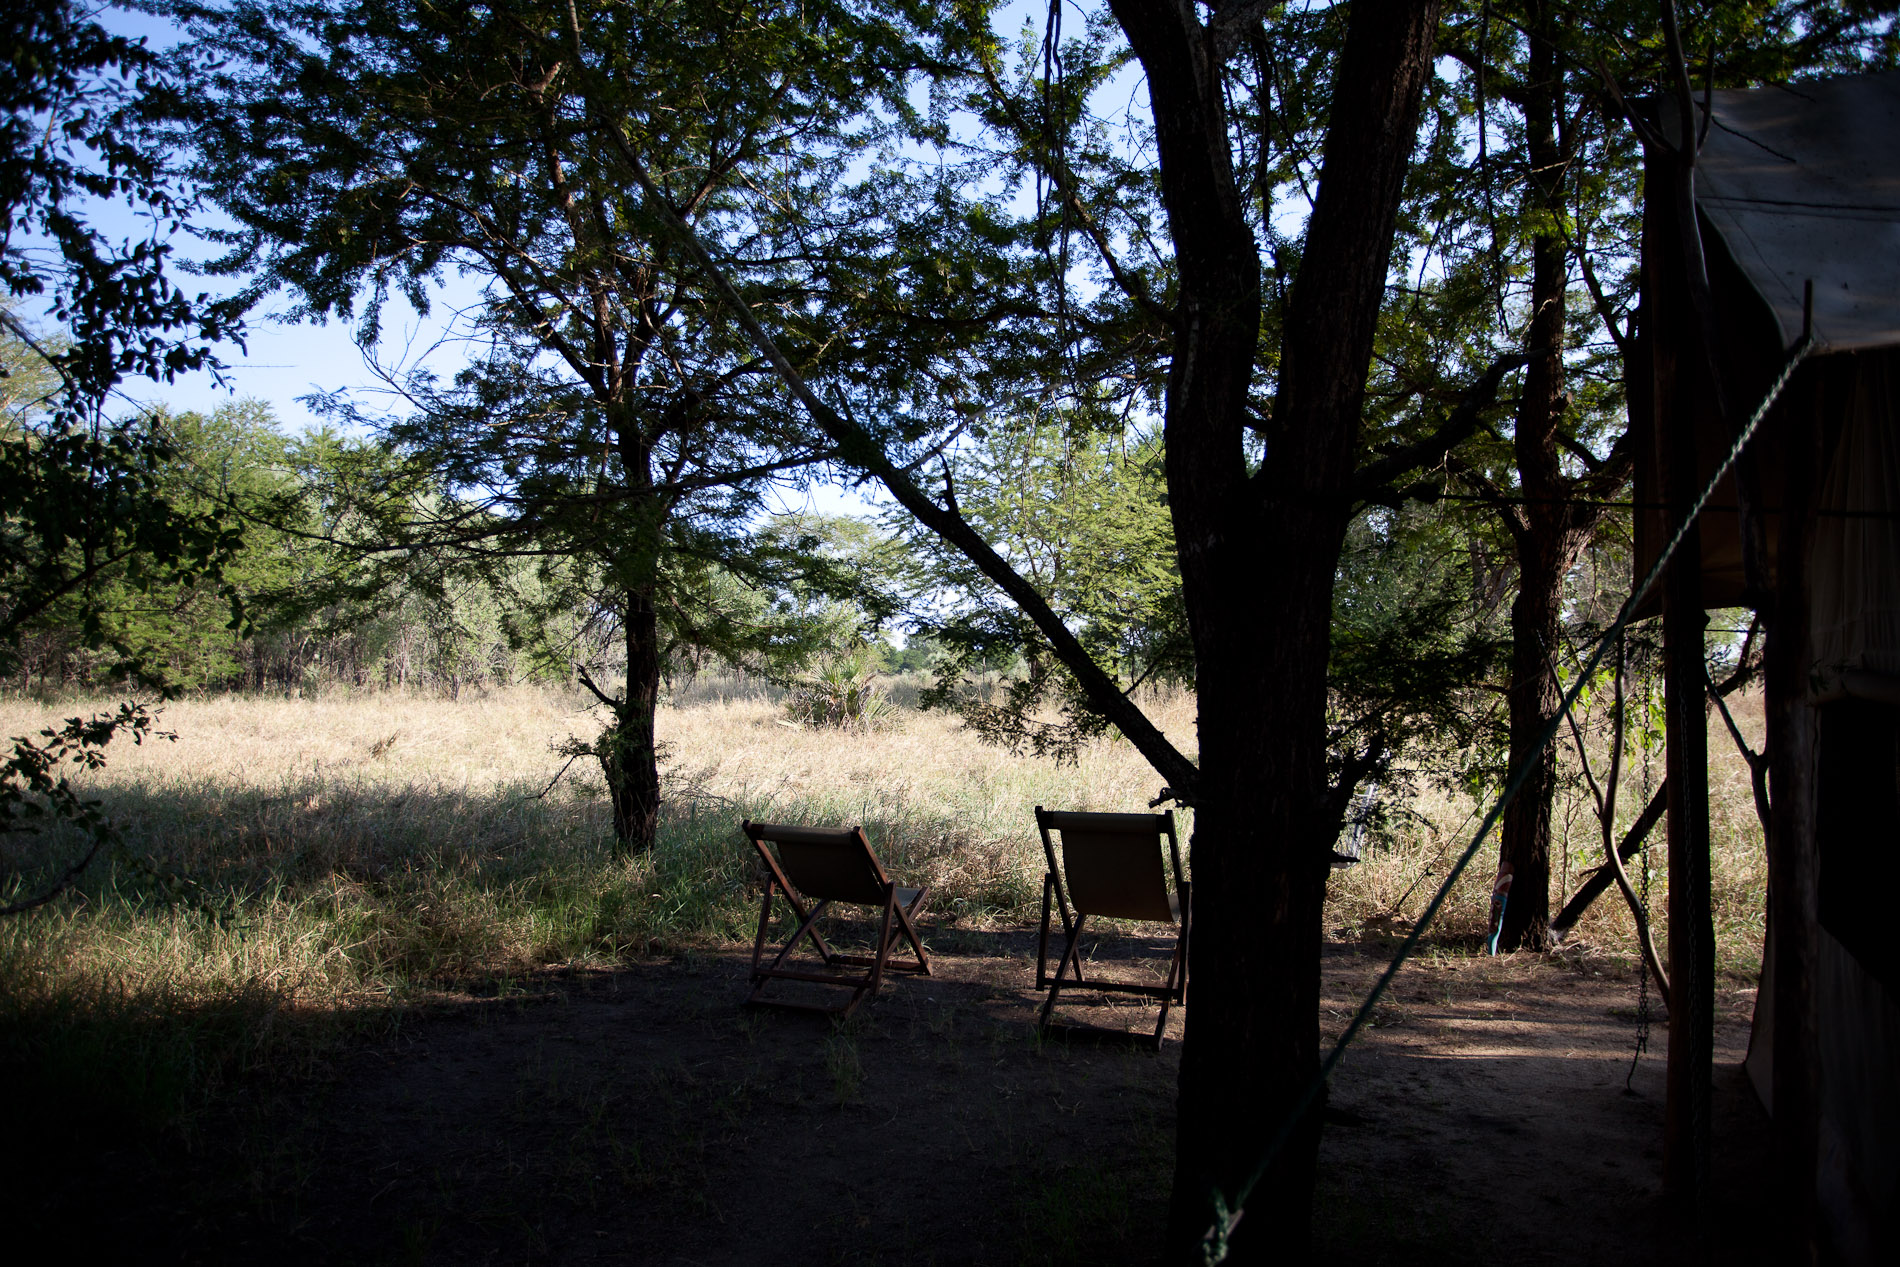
(609, 412)
(1257, 539)
(1542, 221)
(231, 467)
(1524, 215)
(79, 495)
(83, 112)
(1413, 642)
(1567, 205)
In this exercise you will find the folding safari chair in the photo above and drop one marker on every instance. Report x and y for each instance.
(822, 866)
(1111, 867)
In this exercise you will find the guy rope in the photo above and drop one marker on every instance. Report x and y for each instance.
(1225, 1214)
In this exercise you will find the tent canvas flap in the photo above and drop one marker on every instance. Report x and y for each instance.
(1803, 183)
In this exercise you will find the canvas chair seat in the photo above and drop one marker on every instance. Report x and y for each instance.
(819, 866)
(1111, 867)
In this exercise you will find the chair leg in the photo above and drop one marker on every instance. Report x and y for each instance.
(1068, 956)
(808, 926)
(765, 920)
(1050, 898)
(760, 979)
(1177, 977)
(1181, 948)
(1042, 938)
(883, 939)
(857, 997)
(909, 930)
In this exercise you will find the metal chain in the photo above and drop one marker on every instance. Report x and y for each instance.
(1642, 986)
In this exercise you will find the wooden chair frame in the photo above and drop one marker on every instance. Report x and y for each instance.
(1130, 896)
(830, 865)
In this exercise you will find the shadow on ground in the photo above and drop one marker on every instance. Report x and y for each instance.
(643, 1116)
(1498, 1114)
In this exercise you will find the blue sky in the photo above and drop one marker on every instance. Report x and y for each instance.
(281, 362)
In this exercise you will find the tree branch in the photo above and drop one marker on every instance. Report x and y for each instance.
(1464, 419)
(857, 446)
(1130, 283)
(580, 671)
(25, 336)
(1757, 761)
(1232, 20)
(66, 880)
(1606, 811)
(1606, 311)
(1577, 449)
(1603, 877)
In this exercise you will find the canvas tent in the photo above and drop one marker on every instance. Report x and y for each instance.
(1796, 193)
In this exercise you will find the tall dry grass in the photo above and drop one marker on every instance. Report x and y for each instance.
(1390, 888)
(292, 867)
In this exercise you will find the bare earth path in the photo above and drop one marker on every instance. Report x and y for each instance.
(642, 1116)
(1486, 1119)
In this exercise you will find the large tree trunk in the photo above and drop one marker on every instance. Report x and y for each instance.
(1533, 697)
(1260, 864)
(1549, 531)
(1257, 557)
(632, 759)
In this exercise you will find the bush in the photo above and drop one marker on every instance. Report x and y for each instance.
(843, 694)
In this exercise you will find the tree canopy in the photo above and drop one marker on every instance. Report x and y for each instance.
(610, 414)
(82, 118)
(1262, 346)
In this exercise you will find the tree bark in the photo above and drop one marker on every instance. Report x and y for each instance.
(632, 761)
(1257, 557)
(1551, 529)
(1533, 697)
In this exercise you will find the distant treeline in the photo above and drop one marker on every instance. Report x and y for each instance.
(307, 604)
(409, 640)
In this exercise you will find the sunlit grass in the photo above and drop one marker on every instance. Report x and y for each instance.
(297, 869)
(295, 865)
(1389, 890)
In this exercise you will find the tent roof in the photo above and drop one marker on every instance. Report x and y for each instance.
(1804, 182)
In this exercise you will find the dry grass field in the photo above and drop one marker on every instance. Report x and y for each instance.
(1382, 895)
(300, 875)
(326, 846)
(294, 866)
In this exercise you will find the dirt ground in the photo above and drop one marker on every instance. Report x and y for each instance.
(644, 1116)
(1492, 1115)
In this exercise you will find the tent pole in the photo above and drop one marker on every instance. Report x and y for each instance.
(1793, 742)
(1687, 1112)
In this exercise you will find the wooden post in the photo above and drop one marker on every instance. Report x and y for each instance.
(1686, 1140)
(1686, 1115)
(1793, 909)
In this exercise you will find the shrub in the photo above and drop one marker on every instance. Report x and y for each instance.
(843, 694)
